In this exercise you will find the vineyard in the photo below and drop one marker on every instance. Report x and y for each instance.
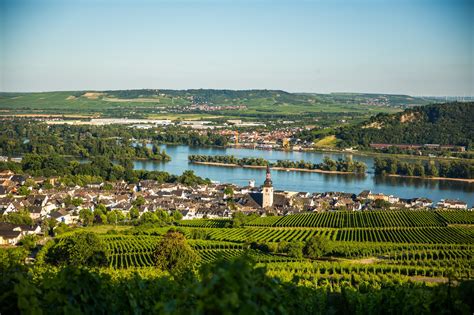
(407, 260)
(264, 221)
(321, 272)
(421, 235)
(448, 235)
(365, 247)
(128, 251)
(368, 219)
(205, 223)
(457, 217)
(267, 234)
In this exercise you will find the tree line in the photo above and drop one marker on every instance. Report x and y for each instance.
(328, 164)
(19, 137)
(227, 159)
(449, 169)
(97, 170)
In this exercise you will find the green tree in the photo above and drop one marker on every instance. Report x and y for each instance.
(80, 249)
(149, 217)
(295, 249)
(238, 219)
(177, 215)
(316, 247)
(174, 254)
(20, 217)
(86, 216)
(229, 191)
(24, 191)
(382, 204)
(432, 169)
(115, 216)
(48, 225)
(62, 228)
(29, 241)
(139, 201)
(134, 213)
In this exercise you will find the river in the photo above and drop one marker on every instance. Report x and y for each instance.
(307, 181)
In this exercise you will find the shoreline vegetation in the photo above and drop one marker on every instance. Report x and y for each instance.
(443, 170)
(466, 180)
(96, 170)
(327, 166)
(455, 170)
(356, 152)
(272, 168)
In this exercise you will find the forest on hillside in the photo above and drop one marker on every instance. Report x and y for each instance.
(448, 124)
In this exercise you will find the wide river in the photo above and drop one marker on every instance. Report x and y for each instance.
(307, 181)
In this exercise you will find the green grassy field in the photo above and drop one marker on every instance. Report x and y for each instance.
(155, 104)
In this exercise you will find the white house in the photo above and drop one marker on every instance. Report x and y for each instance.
(452, 204)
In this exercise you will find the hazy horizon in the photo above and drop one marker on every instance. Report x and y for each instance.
(295, 92)
(417, 48)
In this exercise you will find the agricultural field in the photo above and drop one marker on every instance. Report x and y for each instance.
(203, 223)
(167, 104)
(128, 251)
(365, 247)
(457, 217)
(369, 219)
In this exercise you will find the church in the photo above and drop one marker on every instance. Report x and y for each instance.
(267, 191)
(265, 199)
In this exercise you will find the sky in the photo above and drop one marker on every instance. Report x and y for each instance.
(416, 47)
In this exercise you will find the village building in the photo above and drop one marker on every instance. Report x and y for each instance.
(452, 204)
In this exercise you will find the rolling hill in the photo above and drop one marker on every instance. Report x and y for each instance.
(449, 123)
(153, 102)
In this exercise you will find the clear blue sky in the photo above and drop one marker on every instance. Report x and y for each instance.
(417, 47)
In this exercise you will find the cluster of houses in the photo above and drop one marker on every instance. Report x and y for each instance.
(205, 201)
(279, 138)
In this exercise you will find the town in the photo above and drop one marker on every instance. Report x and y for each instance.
(28, 203)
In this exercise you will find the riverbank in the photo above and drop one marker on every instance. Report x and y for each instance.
(348, 152)
(283, 169)
(465, 180)
(291, 169)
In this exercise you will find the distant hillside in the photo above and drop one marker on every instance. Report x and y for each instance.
(246, 104)
(205, 95)
(450, 123)
(375, 99)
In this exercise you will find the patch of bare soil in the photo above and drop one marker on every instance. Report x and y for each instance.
(92, 95)
(407, 118)
(374, 125)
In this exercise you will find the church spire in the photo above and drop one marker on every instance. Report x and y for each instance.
(268, 178)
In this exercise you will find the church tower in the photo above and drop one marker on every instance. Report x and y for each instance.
(267, 190)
